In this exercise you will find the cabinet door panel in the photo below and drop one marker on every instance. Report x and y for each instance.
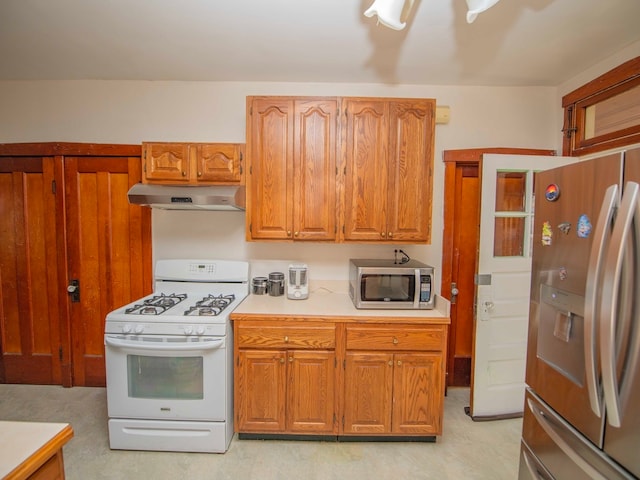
(109, 252)
(368, 392)
(30, 315)
(314, 191)
(166, 162)
(418, 393)
(218, 163)
(270, 156)
(410, 169)
(260, 391)
(366, 179)
(310, 397)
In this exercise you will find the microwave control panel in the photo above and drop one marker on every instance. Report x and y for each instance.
(425, 288)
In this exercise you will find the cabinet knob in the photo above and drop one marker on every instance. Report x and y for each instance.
(395, 341)
(296, 234)
(286, 339)
(184, 174)
(382, 234)
(288, 233)
(199, 174)
(290, 359)
(281, 360)
(391, 363)
(399, 362)
(390, 235)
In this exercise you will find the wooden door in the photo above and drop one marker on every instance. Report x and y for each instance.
(417, 393)
(109, 253)
(459, 251)
(270, 125)
(32, 306)
(411, 143)
(368, 392)
(366, 137)
(260, 389)
(311, 393)
(314, 189)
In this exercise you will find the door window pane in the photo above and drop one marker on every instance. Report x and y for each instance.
(510, 191)
(508, 240)
(165, 377)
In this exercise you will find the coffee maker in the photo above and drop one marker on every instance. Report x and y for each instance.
(298, 284)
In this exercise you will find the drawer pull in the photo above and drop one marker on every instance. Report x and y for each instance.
(286, 339)
(395, 341)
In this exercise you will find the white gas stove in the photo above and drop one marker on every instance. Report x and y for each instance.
(191, 297)
(169, 359)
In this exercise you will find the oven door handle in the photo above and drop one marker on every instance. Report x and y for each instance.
(163, 347)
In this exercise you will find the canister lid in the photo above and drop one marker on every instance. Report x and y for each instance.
(276, 276)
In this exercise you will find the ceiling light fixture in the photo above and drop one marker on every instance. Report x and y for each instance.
(476, 7)
(389, 12)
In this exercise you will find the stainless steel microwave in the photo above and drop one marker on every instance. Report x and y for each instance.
(385, 284)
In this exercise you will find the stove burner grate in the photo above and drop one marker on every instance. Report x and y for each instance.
(211, 305)
(156, 305)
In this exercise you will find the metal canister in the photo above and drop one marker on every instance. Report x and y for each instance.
(276, 284)
(259, 285)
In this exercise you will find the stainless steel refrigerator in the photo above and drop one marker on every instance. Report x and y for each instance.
(582, 401)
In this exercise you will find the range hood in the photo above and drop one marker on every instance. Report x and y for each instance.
(182, 197)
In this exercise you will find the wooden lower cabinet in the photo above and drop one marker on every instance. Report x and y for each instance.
(280, 390)
(338, 378)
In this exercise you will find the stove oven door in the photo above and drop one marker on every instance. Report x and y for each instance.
(163, 377)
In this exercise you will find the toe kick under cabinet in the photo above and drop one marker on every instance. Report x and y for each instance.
(342, 377)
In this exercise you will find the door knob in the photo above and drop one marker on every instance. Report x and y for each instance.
(454, 292)
(73, 289)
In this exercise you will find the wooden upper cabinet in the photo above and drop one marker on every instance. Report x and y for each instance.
(291, 149)
(192, 163)
(340, 169)
(389, 169)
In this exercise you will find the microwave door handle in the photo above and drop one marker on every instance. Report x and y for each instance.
(417, 289)
(611, 287)
(163, 347)
(591, 296)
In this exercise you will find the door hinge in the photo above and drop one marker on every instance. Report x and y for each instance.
(250, 169)
(343, 421)
(344, 364)
(53, 187)
(482, 279)
(60, 353)
(250, 226)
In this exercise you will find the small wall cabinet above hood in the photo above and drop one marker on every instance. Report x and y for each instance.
(179, 197)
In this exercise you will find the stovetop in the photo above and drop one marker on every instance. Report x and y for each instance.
(190, 306)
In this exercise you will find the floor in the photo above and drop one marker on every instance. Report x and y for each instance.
(466, 450)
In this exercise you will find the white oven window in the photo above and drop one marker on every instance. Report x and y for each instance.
(179, 378)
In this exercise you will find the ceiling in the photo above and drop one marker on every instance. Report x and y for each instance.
(516, 42)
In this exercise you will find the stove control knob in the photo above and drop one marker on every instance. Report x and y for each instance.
(126, 328)
(139, 328)
(188, 330)
(200, 330)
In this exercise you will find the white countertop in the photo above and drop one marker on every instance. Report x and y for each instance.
(21, 440)
(330, 299)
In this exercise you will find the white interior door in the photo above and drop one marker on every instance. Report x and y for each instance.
(503, 281)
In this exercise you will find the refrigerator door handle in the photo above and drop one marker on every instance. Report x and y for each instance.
(629, 209)
(593, 287)
(549, 426)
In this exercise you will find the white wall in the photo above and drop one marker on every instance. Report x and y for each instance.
(132, 112)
